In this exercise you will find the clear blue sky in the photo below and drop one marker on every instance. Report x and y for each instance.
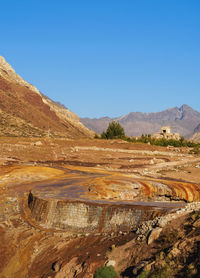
(106, 57)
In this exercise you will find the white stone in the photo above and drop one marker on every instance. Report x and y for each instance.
(111, 262)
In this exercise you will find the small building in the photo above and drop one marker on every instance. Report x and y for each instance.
(166, 130)
(166, 133)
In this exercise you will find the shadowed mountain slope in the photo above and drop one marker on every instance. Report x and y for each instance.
(196, 135)
(24, 111)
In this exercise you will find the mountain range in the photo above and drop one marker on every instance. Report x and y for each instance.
(24, 111)
(183, 120)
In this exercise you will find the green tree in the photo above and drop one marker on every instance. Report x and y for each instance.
(114, 130)
(105, 272)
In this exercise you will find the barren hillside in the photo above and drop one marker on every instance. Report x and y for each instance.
(196, 135)
(24, 111)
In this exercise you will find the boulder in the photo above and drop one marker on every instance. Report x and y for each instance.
(155, 233)
(111, 262)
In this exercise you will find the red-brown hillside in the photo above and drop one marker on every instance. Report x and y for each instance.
(26, 112)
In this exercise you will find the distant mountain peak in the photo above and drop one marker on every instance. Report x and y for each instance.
(182, 120)
(185, 107)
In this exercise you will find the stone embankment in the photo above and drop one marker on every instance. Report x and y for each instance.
(84, 201)
(153, 228)
(80, 216)
(97, 202)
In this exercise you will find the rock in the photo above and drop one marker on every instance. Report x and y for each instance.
(175, 252)
(111, 262)
(137, 260)
(162, 255)
(38, 143)
(191, 266)
(55, 267)
(141, 238)
(139, 267)
(113, 247)
(148, 266)
(155, 233)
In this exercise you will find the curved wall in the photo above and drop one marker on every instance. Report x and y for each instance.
(80, 216)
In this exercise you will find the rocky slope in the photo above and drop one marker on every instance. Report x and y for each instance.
(182, 120)
(24, 111)
(168, 248)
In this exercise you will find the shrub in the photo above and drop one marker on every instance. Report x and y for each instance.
(114, 130)
(105, 272)
(103, 135)
(96, 136)
(144, 274)
(168, 239)
(195, 150)
(169, 142)
(165, 272)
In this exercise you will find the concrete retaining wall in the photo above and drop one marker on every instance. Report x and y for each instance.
(78, 216)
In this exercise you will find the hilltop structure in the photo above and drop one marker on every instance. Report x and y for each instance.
(166, 133)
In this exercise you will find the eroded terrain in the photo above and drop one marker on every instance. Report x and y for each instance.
(65, 203)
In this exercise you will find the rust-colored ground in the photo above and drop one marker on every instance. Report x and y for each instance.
(26, 249)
